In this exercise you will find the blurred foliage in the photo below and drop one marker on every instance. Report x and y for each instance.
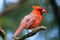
(12, 20)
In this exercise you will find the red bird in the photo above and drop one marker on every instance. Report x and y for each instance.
(31, 20)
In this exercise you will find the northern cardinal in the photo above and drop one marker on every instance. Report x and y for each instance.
(31, 20)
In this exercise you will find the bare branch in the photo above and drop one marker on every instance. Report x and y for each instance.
(32, 33)
(3, 34)
(35, 30)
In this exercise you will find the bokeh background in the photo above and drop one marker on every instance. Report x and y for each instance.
(51, 19)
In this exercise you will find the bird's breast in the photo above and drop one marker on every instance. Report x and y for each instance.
(36, 23)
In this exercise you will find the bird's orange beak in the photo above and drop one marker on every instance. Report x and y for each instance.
(43, 11)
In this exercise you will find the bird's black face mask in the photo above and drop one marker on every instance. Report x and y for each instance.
(41, 11)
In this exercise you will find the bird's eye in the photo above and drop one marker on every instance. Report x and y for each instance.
(41, 10)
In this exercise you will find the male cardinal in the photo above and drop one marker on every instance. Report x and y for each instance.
(31, 20)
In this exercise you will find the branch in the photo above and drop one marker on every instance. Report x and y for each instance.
(12, 7)
(3, 34)
(32, 33)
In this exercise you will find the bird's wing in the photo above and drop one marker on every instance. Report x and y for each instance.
(30, 19)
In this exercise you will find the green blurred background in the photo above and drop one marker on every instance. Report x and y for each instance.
(11, 21)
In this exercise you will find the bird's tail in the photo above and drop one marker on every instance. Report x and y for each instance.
(21, 27)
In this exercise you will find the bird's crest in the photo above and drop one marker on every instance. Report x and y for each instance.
(36, 7)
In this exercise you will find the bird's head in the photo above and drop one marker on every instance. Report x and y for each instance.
(41, 10)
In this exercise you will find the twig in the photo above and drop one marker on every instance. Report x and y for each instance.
(3, 34)
(32, 33)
